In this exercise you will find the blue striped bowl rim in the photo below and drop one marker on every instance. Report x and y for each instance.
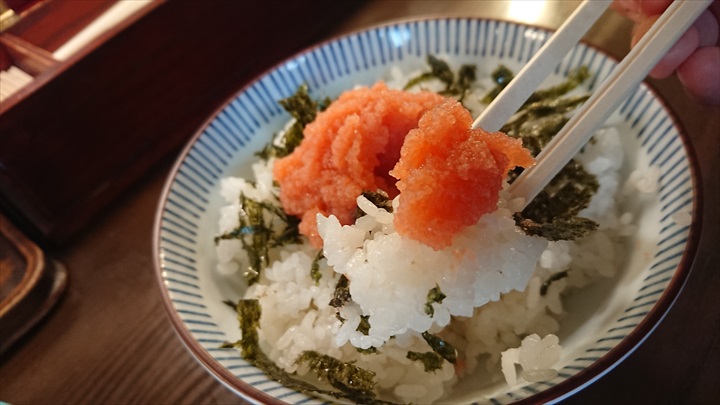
(188, 208)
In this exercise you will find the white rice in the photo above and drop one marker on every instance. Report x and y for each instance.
(485, 260)
(492, 276)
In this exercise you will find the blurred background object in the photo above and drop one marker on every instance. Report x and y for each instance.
(101, 91)
(30, 283)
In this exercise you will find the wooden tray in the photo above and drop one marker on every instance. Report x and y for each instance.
(90, 126)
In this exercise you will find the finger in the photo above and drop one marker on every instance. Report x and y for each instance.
(704, 32)
(652, 7)
(699, 75)
(681, 50)
(628, 8)
(678, 53)
(707, 26)
(637, 10)
(715, 9)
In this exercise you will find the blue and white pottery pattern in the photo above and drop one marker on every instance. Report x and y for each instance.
(187, 216)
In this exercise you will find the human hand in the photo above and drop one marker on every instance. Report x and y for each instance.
(695, 57)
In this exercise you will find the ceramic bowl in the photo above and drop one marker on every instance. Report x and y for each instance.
(611, 319)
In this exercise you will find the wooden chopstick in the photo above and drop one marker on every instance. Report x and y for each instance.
(624, 78)
(539, 66)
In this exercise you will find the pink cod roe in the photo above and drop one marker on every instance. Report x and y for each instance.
(450, 175)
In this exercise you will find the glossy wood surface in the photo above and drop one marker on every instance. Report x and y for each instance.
(53, 23)
(132, 97)
(109, 340)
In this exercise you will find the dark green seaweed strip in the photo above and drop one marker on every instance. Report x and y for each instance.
(574, 79)
(431, 361)
(378, 198)
(440, 347)
(257, 234)
(565, 196)
(354, 383)
(439, 69)
(552, 214)
(252, 224)
(315, 273)
(501, 76)
(304, 109)
(341, 295)
(537, 123)
(350, 379)
(466, 77)
(555, 277)
(559, 229)
(434, 295)
(369, 350)
(364, 325)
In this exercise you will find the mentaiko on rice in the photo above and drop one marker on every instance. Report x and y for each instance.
(411, 313)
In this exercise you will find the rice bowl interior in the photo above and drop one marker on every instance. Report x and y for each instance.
(608, 318)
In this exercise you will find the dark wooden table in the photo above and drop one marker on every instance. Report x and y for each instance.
(109, 341)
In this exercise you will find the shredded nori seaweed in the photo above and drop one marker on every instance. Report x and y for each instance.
(441, 347)
(555, 277)
(431, 361)
(248, 314)
(574, 79)
(544, 113)
(434, 295)
(257, 236)
(369, 350)
(559, 229)
(232, 304)
(553, 213)
(355, 384)
(290, 234)
(315, 273)
(252, 224)
(537, 123)
(565, 196)
(341, 295)
(466, 77)
(364, 325)
(378, 198)
(501, 76)
(439, 69)
(304, 109)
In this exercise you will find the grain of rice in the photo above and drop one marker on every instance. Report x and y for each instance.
(682, 218)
